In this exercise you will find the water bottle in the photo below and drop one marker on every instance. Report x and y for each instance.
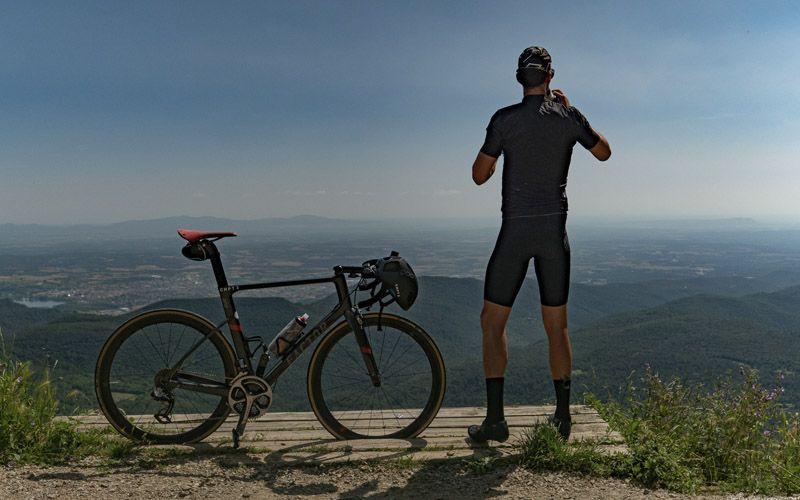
(285, 337)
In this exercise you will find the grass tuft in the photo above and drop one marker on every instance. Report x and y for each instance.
(542, 448)
(29, 432)
(404, 463)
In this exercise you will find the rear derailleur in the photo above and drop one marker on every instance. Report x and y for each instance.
(167, 400)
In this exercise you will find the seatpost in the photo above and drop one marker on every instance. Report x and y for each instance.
(216, 264)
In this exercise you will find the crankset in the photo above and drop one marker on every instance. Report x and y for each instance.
(249, 396)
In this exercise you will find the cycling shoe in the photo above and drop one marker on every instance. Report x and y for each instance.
(497, 431)
(564, 426)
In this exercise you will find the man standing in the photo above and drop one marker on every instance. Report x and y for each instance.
(536, 136)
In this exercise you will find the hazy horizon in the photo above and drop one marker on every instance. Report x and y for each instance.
(790, 222)
(112, 111)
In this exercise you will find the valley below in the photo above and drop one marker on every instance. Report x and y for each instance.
(692, 301)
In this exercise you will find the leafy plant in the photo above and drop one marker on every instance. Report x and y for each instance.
(735, 436)
(29, 431)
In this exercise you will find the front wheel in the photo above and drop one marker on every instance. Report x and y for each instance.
(412, 380)
(149, 394)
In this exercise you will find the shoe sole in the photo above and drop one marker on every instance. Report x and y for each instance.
(499, 440)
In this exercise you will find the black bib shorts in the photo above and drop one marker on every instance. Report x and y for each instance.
(542, 238)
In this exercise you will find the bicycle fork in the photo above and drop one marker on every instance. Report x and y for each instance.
(357, 325)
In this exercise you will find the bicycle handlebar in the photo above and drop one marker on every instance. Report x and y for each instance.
(367, 270)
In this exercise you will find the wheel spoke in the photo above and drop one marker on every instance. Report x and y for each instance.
(405, 399)
(134, 361)
(400, 356)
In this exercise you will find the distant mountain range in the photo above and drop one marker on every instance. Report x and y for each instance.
(683, 224)
(616, 330)
(166, 227)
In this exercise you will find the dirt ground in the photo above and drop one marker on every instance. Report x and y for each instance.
(249, 476)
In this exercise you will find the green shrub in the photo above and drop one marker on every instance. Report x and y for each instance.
(29, 431)
(27, 407)
(735, 436)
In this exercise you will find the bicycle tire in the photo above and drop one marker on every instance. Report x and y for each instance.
(339, 405)
(125, 377)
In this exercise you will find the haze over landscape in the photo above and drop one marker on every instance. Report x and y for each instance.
(695, 299)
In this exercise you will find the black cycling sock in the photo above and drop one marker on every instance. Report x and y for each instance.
(562, 397)
(494, 400)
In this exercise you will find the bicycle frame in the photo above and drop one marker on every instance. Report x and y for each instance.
(344, 308)
(186, 400)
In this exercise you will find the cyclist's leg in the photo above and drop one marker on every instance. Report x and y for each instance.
(504, 276)
(495, 340)
(560, 349)
(553, 278)
(552, 267)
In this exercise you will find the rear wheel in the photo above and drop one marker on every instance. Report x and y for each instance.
(412, 380)
(137, 384)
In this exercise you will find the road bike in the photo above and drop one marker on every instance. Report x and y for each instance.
(171, 376)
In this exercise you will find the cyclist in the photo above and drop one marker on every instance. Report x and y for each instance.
(536, 138)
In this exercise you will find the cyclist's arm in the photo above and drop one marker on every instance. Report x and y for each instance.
(483, 168)
(601, 150)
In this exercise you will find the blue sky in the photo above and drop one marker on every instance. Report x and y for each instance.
(112, 111)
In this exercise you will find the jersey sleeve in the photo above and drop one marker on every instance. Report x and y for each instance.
(493, 144)
(584, 133)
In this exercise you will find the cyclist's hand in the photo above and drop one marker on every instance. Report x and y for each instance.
(562, 97)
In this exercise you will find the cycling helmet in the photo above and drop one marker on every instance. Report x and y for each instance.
(533, 65)
(398, 279)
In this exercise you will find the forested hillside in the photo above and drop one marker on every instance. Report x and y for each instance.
(616, 330)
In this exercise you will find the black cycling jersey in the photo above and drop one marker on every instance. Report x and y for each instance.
(536, 138)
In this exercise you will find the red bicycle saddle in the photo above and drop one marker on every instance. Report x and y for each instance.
(195, 236)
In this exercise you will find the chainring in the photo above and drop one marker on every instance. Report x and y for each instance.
(249, 395)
